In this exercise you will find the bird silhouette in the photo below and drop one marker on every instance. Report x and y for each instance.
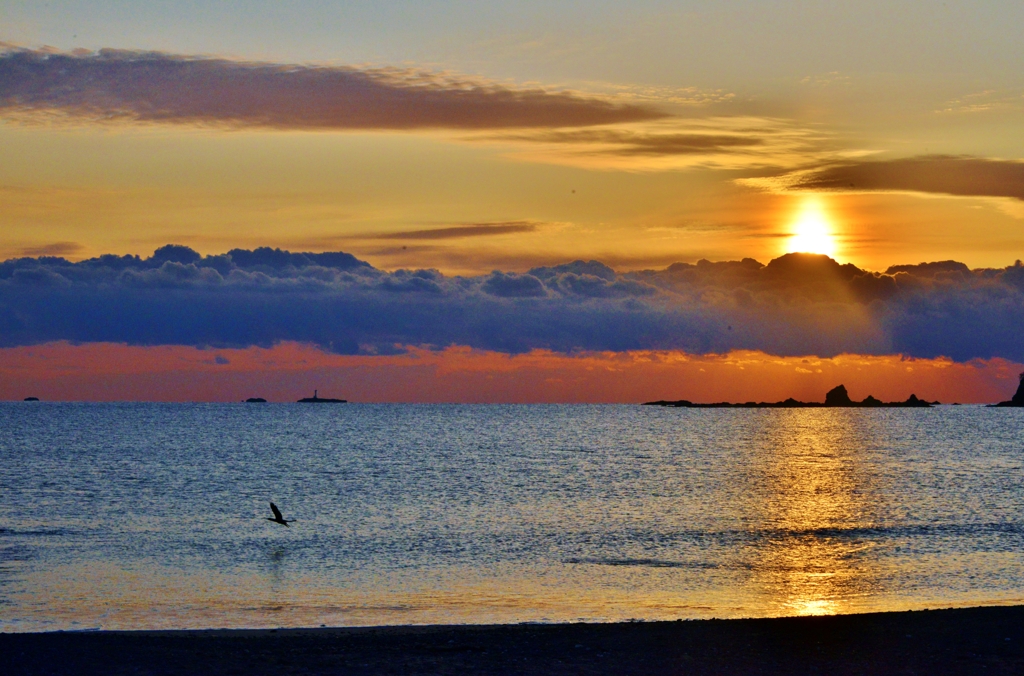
(278, 518)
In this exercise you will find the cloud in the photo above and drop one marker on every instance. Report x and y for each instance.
(626, 142)
(717, 141)
(615, 130)
(155, 87)
(985, 101)
(940, 174)
(54, 249)
(512, 285)
(463, 230)
(798, 304)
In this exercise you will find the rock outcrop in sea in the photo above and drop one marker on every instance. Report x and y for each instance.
(315, 399)
(1018, 397)
(837, 397)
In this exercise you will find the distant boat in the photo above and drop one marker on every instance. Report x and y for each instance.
(31, 398)
(321, 400)
(255, 400)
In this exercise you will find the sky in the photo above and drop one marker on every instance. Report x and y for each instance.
(466, 154)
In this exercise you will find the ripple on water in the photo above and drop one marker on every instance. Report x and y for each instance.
(154, 515)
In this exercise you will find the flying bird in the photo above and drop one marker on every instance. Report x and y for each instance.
(278, 518)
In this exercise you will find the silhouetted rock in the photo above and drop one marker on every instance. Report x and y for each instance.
(664, 402)
(321, 400)
(913, 401)
(838, 396)
(255, 400)
(1018, 397)
(31, 398)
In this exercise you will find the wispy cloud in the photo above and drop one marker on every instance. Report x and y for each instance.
(616, 128)
(937, 174)
(717, 142)
(462, 230)
(54, 249)
(155, 87)
(629, 142)
(684, 97)
(986, 101)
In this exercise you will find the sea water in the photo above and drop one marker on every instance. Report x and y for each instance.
(133, 515)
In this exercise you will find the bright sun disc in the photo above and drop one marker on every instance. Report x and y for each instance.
(812, 232)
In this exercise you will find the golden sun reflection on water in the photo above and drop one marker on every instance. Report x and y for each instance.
(812, 496)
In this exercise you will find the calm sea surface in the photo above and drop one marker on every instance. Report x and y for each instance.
(154, 515)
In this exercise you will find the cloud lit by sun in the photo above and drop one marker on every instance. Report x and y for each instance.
(812, 230)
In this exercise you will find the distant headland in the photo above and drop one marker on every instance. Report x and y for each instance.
(837, 397)
(321, 400)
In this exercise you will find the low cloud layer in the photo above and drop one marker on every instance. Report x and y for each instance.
(795, 305)
(962, 176)
(117, 85)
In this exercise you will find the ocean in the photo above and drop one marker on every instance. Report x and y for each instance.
(154, 516)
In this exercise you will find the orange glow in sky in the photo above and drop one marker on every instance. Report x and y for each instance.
(469, 141)
(113, 372)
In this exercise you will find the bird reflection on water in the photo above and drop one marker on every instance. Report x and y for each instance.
(277, 557)
(813, 559)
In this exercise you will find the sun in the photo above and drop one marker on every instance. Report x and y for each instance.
(812, 230)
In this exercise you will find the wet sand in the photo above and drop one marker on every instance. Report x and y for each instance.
(960, 641)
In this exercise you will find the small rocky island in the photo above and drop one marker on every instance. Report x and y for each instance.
(837, 397)
(321, 400)
(1018, 397)
(255, 400)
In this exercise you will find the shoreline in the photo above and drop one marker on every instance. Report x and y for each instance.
(953, 641)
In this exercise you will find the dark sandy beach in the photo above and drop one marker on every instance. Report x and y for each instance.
(961, 641)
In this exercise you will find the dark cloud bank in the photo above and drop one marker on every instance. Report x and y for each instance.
(158, 87)
(941, 174)
(798, 304)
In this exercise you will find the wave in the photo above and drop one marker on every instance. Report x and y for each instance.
(649, 563)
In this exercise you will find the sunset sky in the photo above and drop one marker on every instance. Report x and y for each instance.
(465, 154)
